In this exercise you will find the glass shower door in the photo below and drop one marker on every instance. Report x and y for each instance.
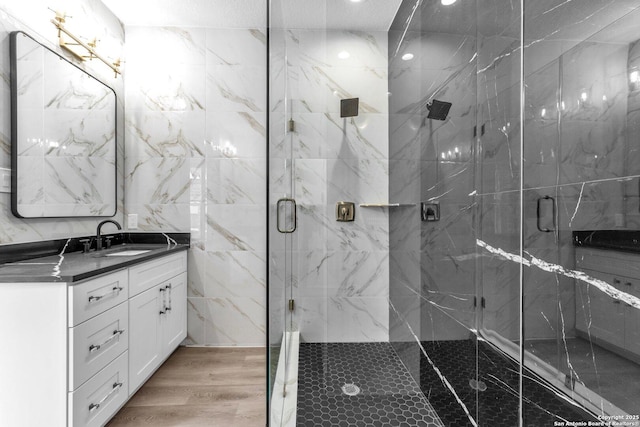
(580, 207)
(282, 220)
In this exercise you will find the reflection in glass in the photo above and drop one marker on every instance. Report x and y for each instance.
(63, 136)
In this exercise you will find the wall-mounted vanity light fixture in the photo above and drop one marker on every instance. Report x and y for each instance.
(78, 47)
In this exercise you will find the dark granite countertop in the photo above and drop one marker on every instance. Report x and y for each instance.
(620, 240)
(74, 266)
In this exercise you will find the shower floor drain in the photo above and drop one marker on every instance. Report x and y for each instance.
(477, 385)
(351, 389)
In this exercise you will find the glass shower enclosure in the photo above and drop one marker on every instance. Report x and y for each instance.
(490, 275)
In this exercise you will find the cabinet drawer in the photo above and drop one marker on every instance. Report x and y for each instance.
(96, 342)
(100, 397)
(92, 297)
(148, 274)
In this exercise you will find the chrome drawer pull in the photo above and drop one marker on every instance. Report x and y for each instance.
(96, 347)
(99, 297)
(93, 406)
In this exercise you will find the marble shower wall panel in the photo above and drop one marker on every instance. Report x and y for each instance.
(33, 18)
(196, 135)
(340, 270)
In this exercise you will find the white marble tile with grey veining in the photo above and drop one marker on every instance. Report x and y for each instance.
(244, 47)
(312, 318)
(232, 274)
(239, 134)
(164, 88)
(235, 321)
(310, 181)
(368, 319)
(79, 180)
(234, 181)
(196, 312)
(170, 176)
(196, 267)
(89, 134)
(32, 191)
(340, 48)
(360, 181)
(166, 217)
(320, 89)
(327, 136)
(236, 88)
(235, 228)
(369, 231)
(310, 273)
(358, 274)
(314, 227)
(165, 133)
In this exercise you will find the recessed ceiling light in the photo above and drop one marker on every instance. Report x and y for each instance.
(356, 1)
(447, 2)
(343, 55)
(407, 57)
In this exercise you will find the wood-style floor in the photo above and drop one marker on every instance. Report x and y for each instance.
(201, 387)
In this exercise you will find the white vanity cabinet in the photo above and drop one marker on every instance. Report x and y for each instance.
(158, 316)
(610, 322)
(73, 353)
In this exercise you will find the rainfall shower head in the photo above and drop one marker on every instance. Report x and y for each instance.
(438, 110)
(349, 107)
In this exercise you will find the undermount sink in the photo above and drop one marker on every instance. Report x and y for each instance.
(130, 252)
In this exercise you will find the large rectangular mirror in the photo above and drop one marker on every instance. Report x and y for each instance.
(63, 136)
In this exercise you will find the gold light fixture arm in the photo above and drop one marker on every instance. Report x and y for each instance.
(90, 47)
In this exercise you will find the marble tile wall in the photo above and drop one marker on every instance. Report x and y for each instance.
(196, 147)
(339, 271)
(89, 17)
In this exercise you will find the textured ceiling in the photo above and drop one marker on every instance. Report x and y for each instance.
(311, 14)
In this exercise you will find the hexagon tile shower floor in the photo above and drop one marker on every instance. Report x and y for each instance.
(366, 384)
(330, 376)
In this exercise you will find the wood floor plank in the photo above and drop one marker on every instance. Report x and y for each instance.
(201, 387)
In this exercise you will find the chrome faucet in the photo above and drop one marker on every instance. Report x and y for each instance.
(99, 237)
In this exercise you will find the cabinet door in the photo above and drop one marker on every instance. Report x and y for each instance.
(632, 329)
(175, 323)
(597, 313)
(145, 335)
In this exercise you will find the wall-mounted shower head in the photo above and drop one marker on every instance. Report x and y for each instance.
(349, 107)
(438, 110)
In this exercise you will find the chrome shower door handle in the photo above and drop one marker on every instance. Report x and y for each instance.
(294, 219)
(553, 212)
